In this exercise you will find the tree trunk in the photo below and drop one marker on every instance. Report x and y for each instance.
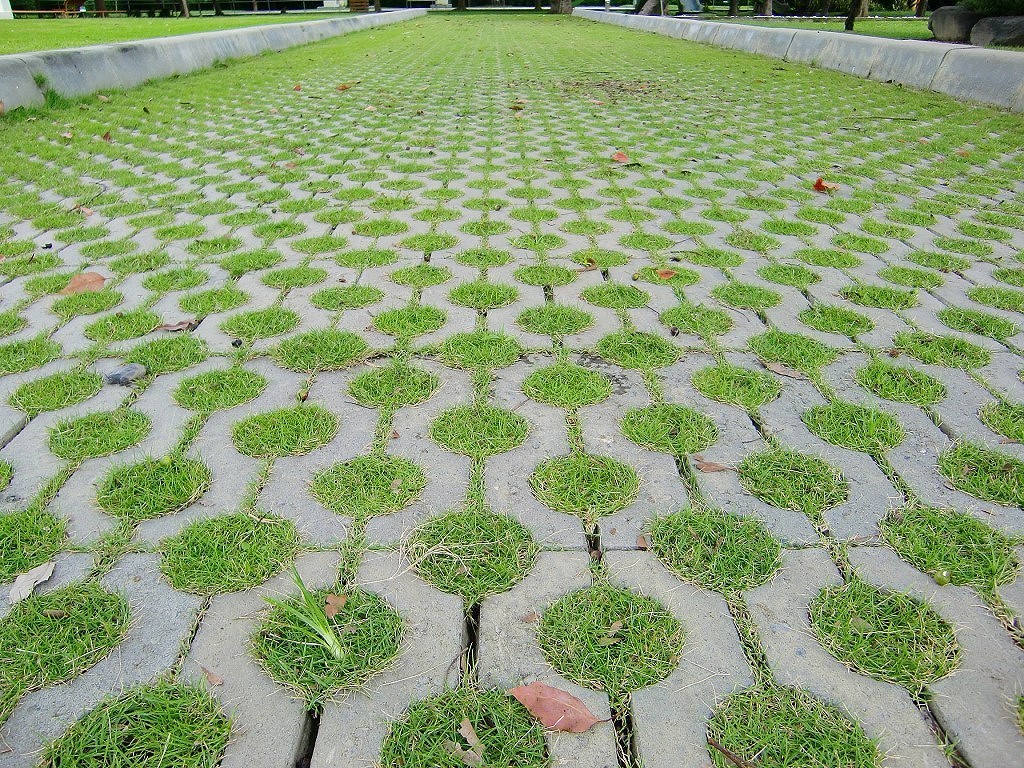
(652, 8)
(561, 6)
(920, 7)
(537, 5)
(460, 5)
(734, 7)
(184, 9)
(101, 8)
(376, 6)
(217, 10)
(855, 6)
(767, 10)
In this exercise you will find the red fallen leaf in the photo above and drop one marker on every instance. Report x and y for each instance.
(343, 87)
(784, 370)
(184, 325)
(394, 434)
(710, 466)
(666, 274)
(85, 282)
(531, 618)
(555, 708)
(620, 157)
(641, 543)
(334, 604)
(107, 137)
(820, 185)
(297, 88)
(212, 678)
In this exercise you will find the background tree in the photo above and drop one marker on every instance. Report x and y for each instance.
(858, 8)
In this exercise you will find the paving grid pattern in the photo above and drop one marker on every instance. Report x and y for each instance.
(459, 134)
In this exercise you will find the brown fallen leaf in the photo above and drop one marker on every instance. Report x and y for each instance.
(67, 135)
(182, 325)
(468, 732)
(343, 87)
(370, 108)
(590, 267)
(531, 618)
(84, 282)
(555, 708)
(620, 157)
(297, 87)
(784, 370)
(83, 210)
(28, 581)
(55, 613)
(820, 185)
(334, 604)
(104, 99)
(611, 638)
(212, 678)
(642, 543)
(107, 137)
(710, 466)
(666, 274)
(394, 434)
(468, 757)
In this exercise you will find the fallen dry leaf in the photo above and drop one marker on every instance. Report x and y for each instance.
(468, 732)
(784, 370)
(620, 157)
(467, 756)
(55, 613)
(182, 325)
(555, 708)
(107, 137)
(26, 582)
(67, 135)
(212, 678)
(590, 267)
(370, 108)
(531, 618)
(344, 87)
(104, 99)
(83, 210)
(710, 466)
(84, 282)
(820, 185)
(334, 604)
(666, 274)
(297, 88)
(394, 434)
(641, 543)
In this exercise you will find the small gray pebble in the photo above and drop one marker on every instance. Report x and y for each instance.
(126, 374)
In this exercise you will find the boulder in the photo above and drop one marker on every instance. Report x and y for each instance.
(952, 24)
(999, 30)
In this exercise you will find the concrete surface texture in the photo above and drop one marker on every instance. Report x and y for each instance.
(565, 354)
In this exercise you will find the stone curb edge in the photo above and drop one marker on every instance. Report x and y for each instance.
(964, 72)
(76, 72)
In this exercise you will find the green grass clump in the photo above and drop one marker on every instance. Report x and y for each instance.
(790, 274)
(914, 278)
(885, 634)
(610, 639)
(616, 296)
(712, 257)
(421, 275)
(585, 485)
(217, 390)
(697, 320)
(1006, 419)
(879, 296)
(261, 323)
(287, 278)
(951, 545)
(792, 480)
(600, 258)
(394, 386)
(380, 228)
(821, 257)
(942, 350)
(368, 486)
(816, 735)
(981, 323)
(900, 384)
(122, 326)
(87, 303)
(1010, 276)
(833, 319)
(566, 385)
(716, 550)
(346, 297)
(736, 385)
(669, 428)
(793, 350)
(479, 431)
(638, 349)
(28, 538)
(1001, 298)
(472, 553)
(152, 487)
(855, 426)
(509, 734)
(54, 392)
(484, 258)
(11, 322)
(545, 274)
(169, 354)
(151, 726)
(285, 432)
(6, 474)
(943, 262)
(133, 263)
(985, 473)
(175, 279)
(322, 244)
(411, 321)
(554, 320)
(28, 264)
(369, 630)
(326, 350)
(677, 277)
(213, 300)
(480, 349)
(98, 434)
(51, 638)
(746, 296)
(483, 296)
(229, 553)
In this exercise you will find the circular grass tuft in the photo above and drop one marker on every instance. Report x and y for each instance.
(483, 296)
(855, 426)
(315, 351)
(793, 350)
(479, 431)
(616, 296)
(98, 434)
(56, 391)
(942, 350)
(122, 326)
(480, 349)
(421, 275)
(370, 632)
(545, 275)
(746, 295)
(736, 385)
(261, 323)
(152, 726)
(566, 385)
(984, 473)
(153, 487)
(610, 639)
(22, 356)
(285, 432)
(788, 728)
(395, 385)
(900, 384)
(421, 738)
(218, 390)
(669, 428)
(213, 300)
(792, 480)
(980, 323)
(472, 553)
(1006, 419)
(884, 634)
(346, 297)
(638, 349)
(365, 258)
(229, 553)
(832, 319)
(554, 320)
(411, 321)
(585, 485)
(697, 320)
(716, 550)
(168, 354)
(28, 537)
(368, 486)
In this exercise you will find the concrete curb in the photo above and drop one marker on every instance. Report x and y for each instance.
(964, 72)
(81, 71)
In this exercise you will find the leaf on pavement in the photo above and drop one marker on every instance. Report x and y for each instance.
(555, 708)
(212, 678)
(183, 325)
(820, 185)
(84, 282)
(642, 544)
(709, 466)
(620, 157)
(784, 370)
(26, 582)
